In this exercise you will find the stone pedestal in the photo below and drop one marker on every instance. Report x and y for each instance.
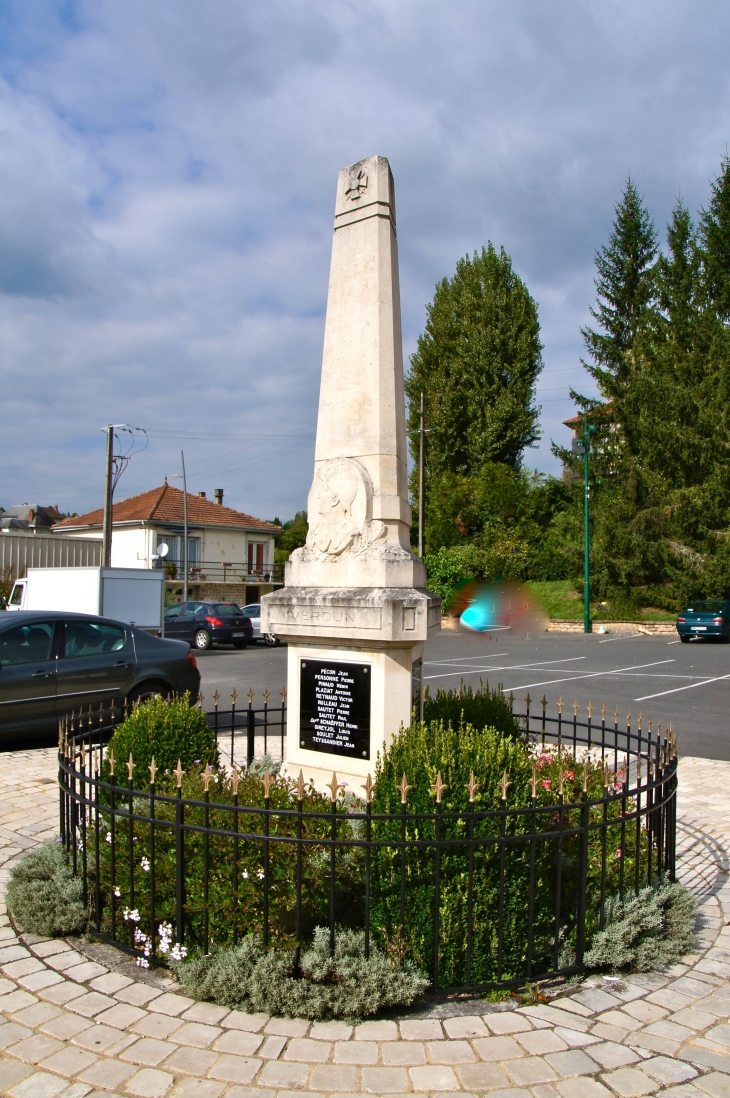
(355, 611)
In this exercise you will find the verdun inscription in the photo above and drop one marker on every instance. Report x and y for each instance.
(334, 713)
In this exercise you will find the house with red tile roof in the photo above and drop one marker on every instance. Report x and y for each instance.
(225, 547)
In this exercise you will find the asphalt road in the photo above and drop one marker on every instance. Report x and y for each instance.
(687, 684)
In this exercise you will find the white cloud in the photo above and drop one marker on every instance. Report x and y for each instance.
(167, 177)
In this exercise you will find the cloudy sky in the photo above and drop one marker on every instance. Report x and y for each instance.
(167, 175)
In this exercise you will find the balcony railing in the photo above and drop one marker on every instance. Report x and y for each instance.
(219, 571)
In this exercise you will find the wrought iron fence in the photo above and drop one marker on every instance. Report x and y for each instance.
(220, 571)
(482, 896)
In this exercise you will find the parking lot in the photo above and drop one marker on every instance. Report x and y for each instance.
(687, 684)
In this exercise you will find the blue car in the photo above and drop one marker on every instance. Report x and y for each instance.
(705, 618)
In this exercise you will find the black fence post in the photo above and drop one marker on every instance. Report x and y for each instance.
(179, 859)
(250, 736)
(580, 932)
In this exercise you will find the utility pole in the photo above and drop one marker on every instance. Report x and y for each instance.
(107, 531)
(185, 529)
(421, 477)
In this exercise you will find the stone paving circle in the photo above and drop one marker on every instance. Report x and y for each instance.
(78, 1019)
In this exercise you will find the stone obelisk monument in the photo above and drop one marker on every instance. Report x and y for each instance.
(355, 610)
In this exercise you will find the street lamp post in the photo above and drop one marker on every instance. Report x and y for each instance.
(186, 569)
(585, 448)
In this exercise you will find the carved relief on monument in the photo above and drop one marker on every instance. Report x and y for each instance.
(358, 182)
(339, 507)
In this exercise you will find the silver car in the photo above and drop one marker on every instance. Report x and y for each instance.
(253, 611)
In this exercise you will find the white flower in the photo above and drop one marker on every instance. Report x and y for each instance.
(117, 893)
(245, 874)
(260, 874)
(145, 863)
(178, 953)
(131, 916)
(108, 836)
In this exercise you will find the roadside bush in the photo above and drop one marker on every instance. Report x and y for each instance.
(43, 895)
(166, 729)
(646, 932)
(346, 985)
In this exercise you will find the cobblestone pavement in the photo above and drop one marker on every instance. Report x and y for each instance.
(71, 1026)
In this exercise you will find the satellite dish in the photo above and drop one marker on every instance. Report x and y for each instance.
(162, 549)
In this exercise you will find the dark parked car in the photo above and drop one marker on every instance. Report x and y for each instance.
(705, 618)
(52, 664)
(202, 624)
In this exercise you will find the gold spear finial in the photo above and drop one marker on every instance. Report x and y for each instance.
(603, 712)
(153, 770)
(585, 775)
(560, 706)
(234, 695)
(200, 701)
(178, 772)
(472, 786)
(283, 694)
(544, 703)
(438, 787)
(575, 708)
(266, 696)
(268, 781)
(235, 778)
(301, 785)
(216, 698)
(606, 774)
(250, 695)
(207, 777)
(368, 787)
(528, 699)
(110, 760)
(334, 787)
(589, 710)
(403, 789)
(130, 766)
(505, 786)
(533, 783)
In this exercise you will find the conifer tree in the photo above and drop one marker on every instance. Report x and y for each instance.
(625, 305)
(477, 362)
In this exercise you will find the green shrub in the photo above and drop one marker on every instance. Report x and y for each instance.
(481, 708)
(43, 895)
(646, 932)
(168, 730)
(346, 985)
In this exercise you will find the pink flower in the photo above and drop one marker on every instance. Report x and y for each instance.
(546, 784)
(619, 854)
(569, 775)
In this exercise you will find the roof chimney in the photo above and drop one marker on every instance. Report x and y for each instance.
(218, 493)
(201, 495)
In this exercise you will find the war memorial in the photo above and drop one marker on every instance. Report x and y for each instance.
(355, 610)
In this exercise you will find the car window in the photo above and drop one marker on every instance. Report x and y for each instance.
(194, 609)
(26, 643)
(705, 606)
(252, 611)
(174, 611)
(92, 638)
(225, 610)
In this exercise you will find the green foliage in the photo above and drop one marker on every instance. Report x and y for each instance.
(166, 729)
(646, 932)
(477, 362)
(481, 708)
(499, 875)
(43, 895)
(346, 985)
(293, 535)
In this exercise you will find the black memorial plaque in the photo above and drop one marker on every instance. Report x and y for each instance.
(334, 707)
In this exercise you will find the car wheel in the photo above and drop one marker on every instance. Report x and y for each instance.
(684, 639)
(240, 644)
(202, 640)
(147, 691)
(271, 640)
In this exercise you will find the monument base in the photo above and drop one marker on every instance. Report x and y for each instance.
(355, 673)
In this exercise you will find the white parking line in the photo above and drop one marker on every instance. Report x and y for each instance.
(534, 665)
(591, 675)
(676, 690)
